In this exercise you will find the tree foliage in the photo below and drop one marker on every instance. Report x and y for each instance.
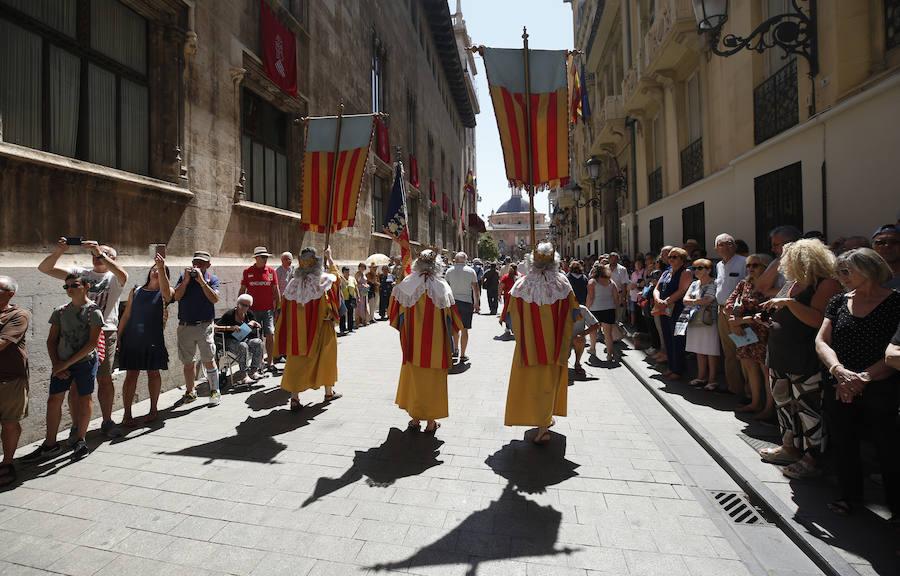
(487, 247)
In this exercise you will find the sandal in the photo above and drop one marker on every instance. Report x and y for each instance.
(697, 382)
(433, 430)
(801, 470)
(841, 507)
(552, 423)
(7, 475)
(777, 456)
(711, 386)
(414, 425)
(296, 406)
(332, 396)
(542, 439)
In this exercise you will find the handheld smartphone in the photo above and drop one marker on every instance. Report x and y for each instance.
(160, 249)
(74, 240)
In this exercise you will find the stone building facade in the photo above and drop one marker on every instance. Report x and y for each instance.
(153, 121)
(734, 144)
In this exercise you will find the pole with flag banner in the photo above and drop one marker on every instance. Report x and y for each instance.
(395, 224)
(529, 90)
(333, 163)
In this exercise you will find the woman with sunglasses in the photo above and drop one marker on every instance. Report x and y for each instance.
(795, 373)
(668, 295)
(142, 345)
(743, 304)
(703, 339)
(861, 390)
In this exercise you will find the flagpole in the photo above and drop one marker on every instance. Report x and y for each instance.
(334, 164)
(528, 135)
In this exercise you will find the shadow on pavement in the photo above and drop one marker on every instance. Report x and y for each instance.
(268, 398)
(511, 526)
(862, 534)
(402, 454)
(254, 440)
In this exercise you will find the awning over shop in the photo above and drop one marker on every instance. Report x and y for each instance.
(476, 223)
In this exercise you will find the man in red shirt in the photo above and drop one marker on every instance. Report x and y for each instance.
(261, 282)
(506, 284)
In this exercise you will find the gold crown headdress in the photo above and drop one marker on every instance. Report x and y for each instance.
(307, 258)
(427, 256)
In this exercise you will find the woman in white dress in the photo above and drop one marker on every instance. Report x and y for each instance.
(703, 339)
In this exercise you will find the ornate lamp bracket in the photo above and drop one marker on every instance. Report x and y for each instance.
(793, 32)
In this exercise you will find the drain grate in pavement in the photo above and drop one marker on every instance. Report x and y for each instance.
(738, 507)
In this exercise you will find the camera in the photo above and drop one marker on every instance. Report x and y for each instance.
(765, 316)
(193, 274)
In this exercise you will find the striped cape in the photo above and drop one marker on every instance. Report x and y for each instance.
(549, 152)
(298, 324)
(426, 332)
(543, 333)
(318, 168)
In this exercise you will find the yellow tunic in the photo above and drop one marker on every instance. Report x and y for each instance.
(539, 377)
(305, 333)
(426, 339)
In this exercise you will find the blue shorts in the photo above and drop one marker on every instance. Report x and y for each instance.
(83, 373)
(266, 319)
(465, 309)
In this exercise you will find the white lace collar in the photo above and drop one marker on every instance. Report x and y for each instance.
(411, 288)
(541, 287)
(309, 287)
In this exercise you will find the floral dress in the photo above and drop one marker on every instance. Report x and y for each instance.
(746, 302)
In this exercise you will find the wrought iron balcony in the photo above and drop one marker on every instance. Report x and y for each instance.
(692, 162)
(775, 107)
(655, 186)
(891, 24)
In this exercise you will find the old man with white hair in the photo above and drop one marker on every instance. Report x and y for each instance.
(540, 307)
(424, 311)
(305, 333)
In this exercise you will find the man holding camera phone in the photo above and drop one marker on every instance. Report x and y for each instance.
(105, 282)
(197, 292)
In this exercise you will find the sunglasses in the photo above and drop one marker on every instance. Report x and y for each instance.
(885, 242)
(754, 265)
(674, 257)
(701, 267)
(67, 286)
(844, 271)
(243, 305)
(729, 243)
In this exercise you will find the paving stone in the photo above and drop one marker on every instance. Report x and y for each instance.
(82, 561)
(197, 528)
(655, 564)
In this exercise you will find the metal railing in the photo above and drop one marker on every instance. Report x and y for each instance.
(775, 107)
(692, 162)
(654, 185)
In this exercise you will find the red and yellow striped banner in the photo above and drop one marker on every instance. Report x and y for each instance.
(319, 169)
(426, 332)
(548, 154)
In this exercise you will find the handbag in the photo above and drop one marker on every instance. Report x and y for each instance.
(704, 315)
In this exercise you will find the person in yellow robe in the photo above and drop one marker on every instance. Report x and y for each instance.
(422, 309)
(305, 331)
(540, 308)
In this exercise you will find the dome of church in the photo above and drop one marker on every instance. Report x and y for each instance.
(514, 204)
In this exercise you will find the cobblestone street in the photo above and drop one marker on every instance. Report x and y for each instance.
(250, 488)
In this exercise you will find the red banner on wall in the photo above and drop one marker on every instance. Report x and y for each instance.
(383, 144)
(433, 194)
(413, 171)
(279, 50)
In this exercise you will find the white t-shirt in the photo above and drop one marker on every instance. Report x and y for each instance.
(619, 275)
(105, 290)
(460, 278)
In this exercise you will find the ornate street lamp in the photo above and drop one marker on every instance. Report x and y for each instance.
(794, 32)
(619, 181)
